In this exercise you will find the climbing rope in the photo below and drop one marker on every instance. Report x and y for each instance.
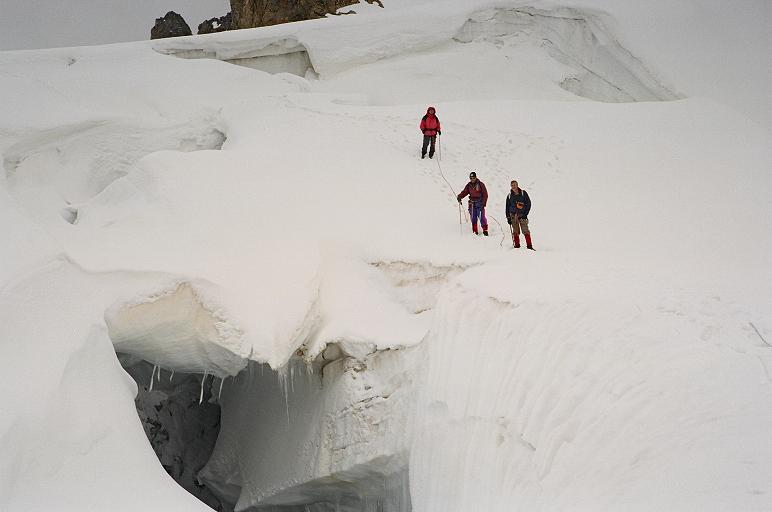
(501, 243)
(453, 193)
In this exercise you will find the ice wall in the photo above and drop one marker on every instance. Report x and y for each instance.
(623, 404)
(282, 55)
(333, 436)
(601, 68)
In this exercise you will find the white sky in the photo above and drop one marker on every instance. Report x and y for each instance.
(27, 24)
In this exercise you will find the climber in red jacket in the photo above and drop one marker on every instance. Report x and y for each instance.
(430, 127)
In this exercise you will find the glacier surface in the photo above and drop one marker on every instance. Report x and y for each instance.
(301, 316)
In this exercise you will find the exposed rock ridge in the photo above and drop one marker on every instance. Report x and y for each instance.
(251, 14)
(260, 13)
(212, 25)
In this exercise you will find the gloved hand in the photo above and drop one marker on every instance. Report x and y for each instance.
(509, 220)
(439, 132)
(459, 200)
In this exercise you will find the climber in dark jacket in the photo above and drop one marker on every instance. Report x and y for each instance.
(430, 127)
(478, 199)
(518, 206)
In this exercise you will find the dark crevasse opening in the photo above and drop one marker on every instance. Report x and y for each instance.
(181, 417)
(312, 438)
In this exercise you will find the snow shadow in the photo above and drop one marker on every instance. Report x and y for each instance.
(602, 69)
(417, 284)
(54, 170)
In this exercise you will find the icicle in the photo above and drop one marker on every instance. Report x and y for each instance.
(152, 376)
(220, 393)
(171, 376)
(281, 375)
(286, 399)
(201, 396)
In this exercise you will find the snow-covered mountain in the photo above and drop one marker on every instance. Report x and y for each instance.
(254, 260)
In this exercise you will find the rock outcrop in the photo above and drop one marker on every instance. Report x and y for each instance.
(259, 13)
(220, 24)
(171, 25)
(251, 14)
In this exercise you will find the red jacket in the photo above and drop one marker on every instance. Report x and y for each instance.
(430, 124)
(476, 191)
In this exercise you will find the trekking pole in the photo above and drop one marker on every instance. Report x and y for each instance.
(512, 233)
(439, 147)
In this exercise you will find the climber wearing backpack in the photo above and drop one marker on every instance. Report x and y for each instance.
(430, 127)
(518, 206)
(478, 199)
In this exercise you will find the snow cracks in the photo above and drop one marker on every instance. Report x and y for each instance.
(599, 67)
(174, 347)
(282, 55)
(319, 433)
(417, 284)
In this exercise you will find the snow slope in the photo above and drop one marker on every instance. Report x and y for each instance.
(208, 218)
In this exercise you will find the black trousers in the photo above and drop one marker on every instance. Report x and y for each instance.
(428, 139)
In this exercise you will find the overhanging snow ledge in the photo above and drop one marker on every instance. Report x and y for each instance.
(176, 331)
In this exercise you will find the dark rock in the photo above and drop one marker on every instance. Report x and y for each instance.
(220, 24)
(171, 25)
(260, 13)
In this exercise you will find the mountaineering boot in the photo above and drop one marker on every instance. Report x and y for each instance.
(423, 155)
(516, 240)
(485, 232)
(528, 243)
